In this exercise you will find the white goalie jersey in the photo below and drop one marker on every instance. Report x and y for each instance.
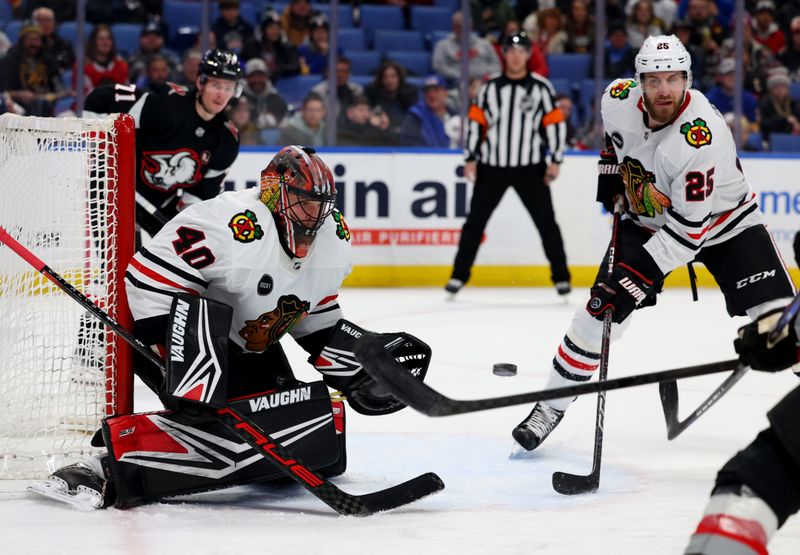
(228, 249)
(683, 180)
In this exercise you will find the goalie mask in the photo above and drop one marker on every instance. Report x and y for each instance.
(297, 187)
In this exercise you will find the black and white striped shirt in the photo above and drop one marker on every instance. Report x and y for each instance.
(515, 123)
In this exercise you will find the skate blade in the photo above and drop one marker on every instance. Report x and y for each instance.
(82, 500)
(518, 451)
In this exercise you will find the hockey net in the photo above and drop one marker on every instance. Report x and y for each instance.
(66, 193)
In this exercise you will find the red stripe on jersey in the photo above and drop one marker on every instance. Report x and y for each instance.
(328, 299)
(575, 363)
(748, 532)
(159, 278)
(721, 219)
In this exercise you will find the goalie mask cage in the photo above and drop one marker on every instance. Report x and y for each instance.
(67, 194)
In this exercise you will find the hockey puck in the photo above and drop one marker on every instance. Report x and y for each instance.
(504, 369)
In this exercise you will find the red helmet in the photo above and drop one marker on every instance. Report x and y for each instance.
(297, 186)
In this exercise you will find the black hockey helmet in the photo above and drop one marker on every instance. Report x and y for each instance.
(221, 64)
(517, 40)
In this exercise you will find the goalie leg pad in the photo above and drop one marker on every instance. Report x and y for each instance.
(163, 454)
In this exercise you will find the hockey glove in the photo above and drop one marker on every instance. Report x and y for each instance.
(342, 370)
(626, 287)
(755, 350)
(797, 248)
(609, 181)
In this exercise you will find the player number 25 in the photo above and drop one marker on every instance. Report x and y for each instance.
(197, 258)
(699, 186)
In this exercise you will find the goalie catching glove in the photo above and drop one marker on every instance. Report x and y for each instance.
(343, 371)
(755, 349)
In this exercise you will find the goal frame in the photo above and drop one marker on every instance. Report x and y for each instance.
(101, 241)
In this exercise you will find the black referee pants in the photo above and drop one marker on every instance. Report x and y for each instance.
(490, 185)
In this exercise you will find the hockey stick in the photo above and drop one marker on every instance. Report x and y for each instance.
(280, 457)
(151, 209)
(566, 483)
(418, 395)
(668, 391)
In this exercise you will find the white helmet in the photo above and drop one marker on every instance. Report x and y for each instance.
(663, 53)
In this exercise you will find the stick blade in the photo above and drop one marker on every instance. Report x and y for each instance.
(669, 403)
(401, 494)
(576, 484)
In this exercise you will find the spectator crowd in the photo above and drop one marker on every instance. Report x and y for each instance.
(385, 96)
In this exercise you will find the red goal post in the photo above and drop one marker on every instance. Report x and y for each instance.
(67, 194)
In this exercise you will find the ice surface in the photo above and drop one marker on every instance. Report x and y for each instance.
(651, 495)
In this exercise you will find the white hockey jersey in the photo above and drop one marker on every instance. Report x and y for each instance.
(228, 249)
(683, 180)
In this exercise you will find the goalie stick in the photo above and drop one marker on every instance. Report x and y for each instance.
(668, 391)
(342, 502)
(418, 395)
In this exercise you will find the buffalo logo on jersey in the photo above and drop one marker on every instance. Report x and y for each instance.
(342, 229)
(641, 190)
(622, 90)
(168, 170)
(696, 133)
(268, 328)
(244, 227)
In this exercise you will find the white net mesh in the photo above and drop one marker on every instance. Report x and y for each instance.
(57, 371)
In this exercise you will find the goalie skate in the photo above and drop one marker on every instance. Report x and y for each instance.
(77, 485)
(532, 431)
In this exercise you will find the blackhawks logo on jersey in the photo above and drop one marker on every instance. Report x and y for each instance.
(696, 133)
(641, 190)
(244, 227)
(622, 90)
(268, 328)
(342, 230)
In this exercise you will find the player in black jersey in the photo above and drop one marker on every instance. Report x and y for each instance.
(184, 147)
(758, 489)
(184, 142)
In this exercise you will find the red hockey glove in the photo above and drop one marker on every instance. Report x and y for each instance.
(754, 348)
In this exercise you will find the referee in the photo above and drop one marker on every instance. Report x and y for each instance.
(515, 137)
